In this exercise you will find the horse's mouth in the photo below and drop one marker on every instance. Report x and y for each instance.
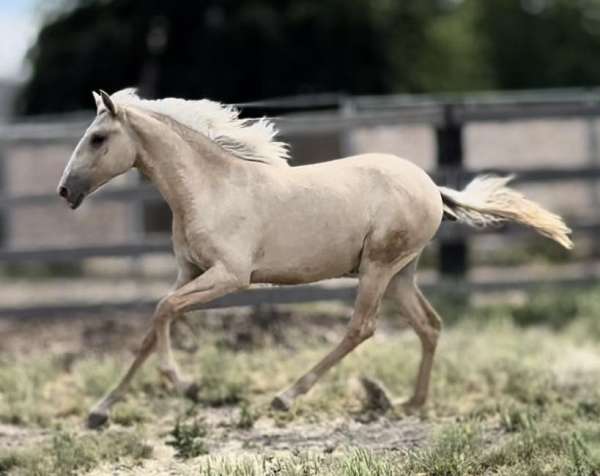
(76, 201)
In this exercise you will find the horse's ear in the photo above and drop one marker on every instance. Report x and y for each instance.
(108, 103)
(98, 100)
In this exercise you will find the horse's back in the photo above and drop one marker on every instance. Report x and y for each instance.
(385, 167)
(397, 186)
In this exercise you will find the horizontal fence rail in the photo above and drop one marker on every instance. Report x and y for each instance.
(287, 295)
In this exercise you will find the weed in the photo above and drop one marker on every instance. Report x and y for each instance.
(188, 439)
(246, 418)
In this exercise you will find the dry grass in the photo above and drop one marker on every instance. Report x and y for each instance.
(510, 396)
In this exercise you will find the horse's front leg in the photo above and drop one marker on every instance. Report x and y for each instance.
(212, 284)
(162, 326)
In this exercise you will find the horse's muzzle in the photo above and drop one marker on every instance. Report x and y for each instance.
(73, 189)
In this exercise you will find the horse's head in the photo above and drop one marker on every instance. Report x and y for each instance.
(105, 151)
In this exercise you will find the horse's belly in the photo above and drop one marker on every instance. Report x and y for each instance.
(308, 257)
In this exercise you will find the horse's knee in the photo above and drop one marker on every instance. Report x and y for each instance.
(429, 336)
(359, 334)
(165, 310)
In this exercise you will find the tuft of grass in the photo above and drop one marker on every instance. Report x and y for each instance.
(580, 462)
(515, 419)
(455, 452)
(130, 413)
(356, 463)
(246, 418)
(9, 459)
(21, 385)
(549, 309)
(188, 439)
(223, 381)
(363, 462)
(73, 455)
(70, 454)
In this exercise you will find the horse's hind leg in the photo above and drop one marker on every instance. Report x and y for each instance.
(373, 281)
(427, 324)
(372, 284)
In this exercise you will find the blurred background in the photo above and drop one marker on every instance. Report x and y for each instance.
(460, 87)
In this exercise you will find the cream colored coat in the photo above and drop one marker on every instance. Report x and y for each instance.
(237, 222)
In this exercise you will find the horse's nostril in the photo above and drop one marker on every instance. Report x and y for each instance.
(63, 192)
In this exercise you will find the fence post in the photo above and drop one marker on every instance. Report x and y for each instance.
(453, 251)
(346, 109)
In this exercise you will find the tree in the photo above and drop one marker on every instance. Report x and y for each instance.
(227, 50)
(541, 43)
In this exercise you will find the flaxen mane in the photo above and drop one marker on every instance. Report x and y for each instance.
(247, 139)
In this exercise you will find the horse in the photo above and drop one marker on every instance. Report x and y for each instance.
(242, 215)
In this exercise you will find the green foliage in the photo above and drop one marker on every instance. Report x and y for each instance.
(188, 439)
(257, 48)
(533, 43)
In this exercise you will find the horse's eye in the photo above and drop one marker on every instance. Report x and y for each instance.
(97, 140)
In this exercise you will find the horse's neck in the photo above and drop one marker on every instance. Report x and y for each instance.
(179, 169)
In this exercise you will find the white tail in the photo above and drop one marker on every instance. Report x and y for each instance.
(487, 200)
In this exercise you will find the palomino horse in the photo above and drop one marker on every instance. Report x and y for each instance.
(241, 215)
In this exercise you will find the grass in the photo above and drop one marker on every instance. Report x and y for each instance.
(69, 454)
(514, 392)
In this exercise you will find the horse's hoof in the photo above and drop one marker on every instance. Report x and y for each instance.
(377, 396)
(281, 403)
(412, 405)
(96, 420)
(191, 392)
